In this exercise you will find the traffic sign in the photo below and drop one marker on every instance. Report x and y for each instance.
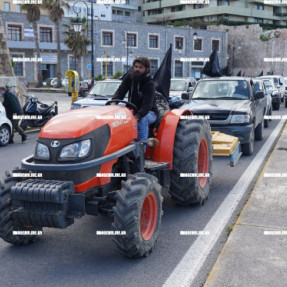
(89, 67)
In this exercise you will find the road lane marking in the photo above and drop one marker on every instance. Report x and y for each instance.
(187, 269)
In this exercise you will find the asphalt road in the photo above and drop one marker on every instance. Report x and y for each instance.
(76, 256)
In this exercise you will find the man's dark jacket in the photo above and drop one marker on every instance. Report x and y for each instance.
(11, 105)
(141, 94)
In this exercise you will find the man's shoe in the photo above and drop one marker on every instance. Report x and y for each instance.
(24, 137)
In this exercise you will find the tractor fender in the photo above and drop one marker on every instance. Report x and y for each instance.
(166, 134)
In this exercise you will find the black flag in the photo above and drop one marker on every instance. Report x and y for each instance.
(243, 74)
(239, 74)
(162, 76)
(261, 74)
(212, 68)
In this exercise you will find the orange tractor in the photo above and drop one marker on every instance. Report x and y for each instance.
(89, 161)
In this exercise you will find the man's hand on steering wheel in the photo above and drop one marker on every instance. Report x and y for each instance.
(128, 104)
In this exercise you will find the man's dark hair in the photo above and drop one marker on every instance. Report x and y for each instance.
(144, 61)
(2, 88)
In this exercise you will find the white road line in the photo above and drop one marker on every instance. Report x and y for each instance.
(191, 263)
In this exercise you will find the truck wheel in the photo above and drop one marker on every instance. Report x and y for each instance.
(138, 213)
(259, 131)
(4, 135)
(248, 148)
(7, 225)
(276, 106)
(192, 154)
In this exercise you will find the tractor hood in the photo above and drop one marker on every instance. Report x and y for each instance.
(76, 123)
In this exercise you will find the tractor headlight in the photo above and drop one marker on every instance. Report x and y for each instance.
(42, 152)
(240, 119)
(75, 150)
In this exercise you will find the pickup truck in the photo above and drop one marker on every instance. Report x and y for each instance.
(232, 106)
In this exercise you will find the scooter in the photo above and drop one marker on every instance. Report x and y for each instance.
(37, 114)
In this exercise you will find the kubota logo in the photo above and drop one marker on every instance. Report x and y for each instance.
(55, 143)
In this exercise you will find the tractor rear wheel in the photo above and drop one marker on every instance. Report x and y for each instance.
(138, 213)
(192, 162)
(7, 226)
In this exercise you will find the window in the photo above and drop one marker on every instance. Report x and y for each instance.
(109, 69)
(139, 8)
(18, 66)
(127, 13)
(259, 6)
(18, 8)
(258, 20)
(215, 43)
(198, 6)
(153, 41)
(153, 66)
(119, 12)
(132, 39)
(46, 34)
(179, 43)
(107, 38)
(178, 68)
(223, 3)
(6, 6)
(197, 45)
(103, 15)
(14, 32)
(114, 12)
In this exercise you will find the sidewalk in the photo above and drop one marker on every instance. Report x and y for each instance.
(255, 253)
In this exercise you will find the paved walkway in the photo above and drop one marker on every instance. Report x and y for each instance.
(255, 253)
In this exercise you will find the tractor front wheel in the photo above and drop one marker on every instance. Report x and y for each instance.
(137, 215)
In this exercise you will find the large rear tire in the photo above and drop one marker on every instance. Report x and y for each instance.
(192, 155)
(7, 225)
(138, 213)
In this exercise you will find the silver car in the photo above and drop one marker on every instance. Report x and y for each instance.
(5, 127)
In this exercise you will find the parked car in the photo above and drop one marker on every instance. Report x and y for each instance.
(259, 85)
(232, 106)
(47, 82)
(272, 89)
(279, 83)
(5, 127)
(84, 88)
(54, 82)
(99, 94)
(178, 86)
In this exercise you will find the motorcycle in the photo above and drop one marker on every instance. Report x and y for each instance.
(37, 114)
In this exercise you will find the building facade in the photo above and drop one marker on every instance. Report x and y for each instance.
(116, 44)
(162, 11)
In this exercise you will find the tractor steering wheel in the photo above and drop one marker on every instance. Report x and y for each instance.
(128, 104)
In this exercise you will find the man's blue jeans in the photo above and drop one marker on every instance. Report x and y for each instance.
(143, 125)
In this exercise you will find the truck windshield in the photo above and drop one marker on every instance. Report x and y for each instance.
(220, 89)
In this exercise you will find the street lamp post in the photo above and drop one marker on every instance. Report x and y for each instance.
(78, 28)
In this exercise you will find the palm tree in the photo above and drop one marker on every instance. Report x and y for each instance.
(77, 42)
(56, 12)
(33, 16)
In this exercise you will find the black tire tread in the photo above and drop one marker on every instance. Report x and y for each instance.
(127, 214)
(187, 191)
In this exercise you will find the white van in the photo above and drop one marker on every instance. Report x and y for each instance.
(5, 127)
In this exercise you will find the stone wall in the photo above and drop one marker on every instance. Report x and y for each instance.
(248, 46)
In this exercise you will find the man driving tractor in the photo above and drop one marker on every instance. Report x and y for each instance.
(141, 88)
